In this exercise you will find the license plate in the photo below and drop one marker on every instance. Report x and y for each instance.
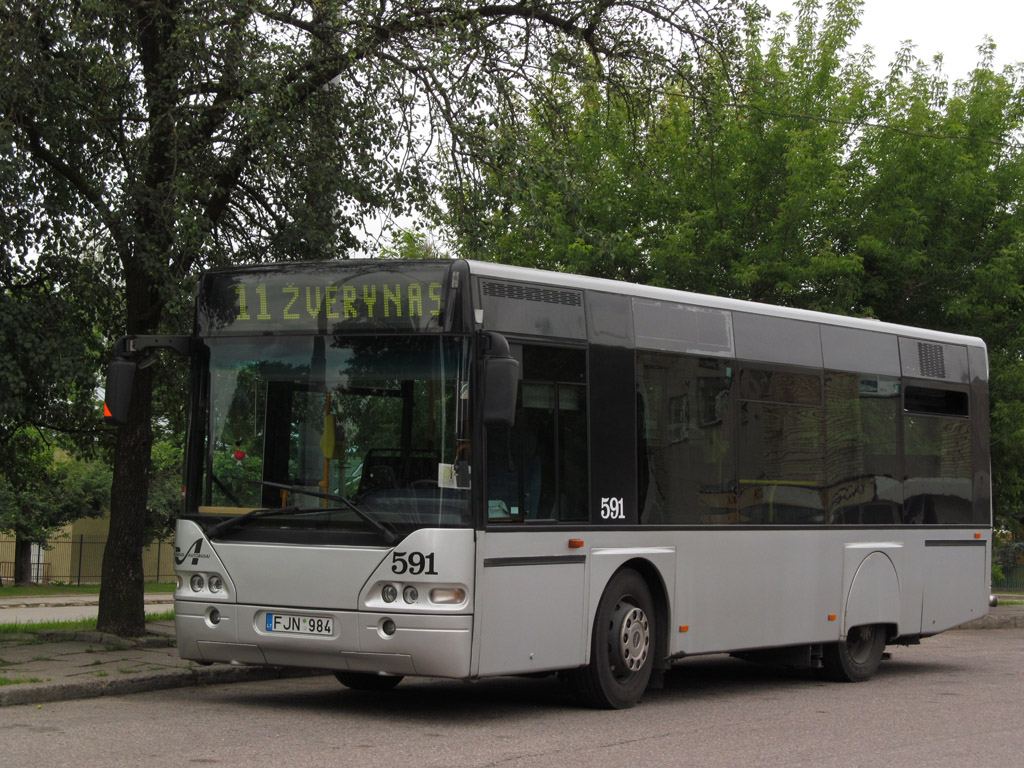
(299, 625)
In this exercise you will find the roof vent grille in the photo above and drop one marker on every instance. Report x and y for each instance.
(520, 292)
(933, 363)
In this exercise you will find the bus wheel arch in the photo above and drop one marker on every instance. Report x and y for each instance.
(626, 641)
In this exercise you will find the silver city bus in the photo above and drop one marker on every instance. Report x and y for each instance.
(460, 469)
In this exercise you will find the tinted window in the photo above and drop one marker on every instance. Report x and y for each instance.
(781, 448)
(537, 471)
(687, 453)
(943, 402)
(937, 460)
(863, 461)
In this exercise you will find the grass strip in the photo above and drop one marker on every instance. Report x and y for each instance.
(9, 681)
(45, 590)
(35, 627)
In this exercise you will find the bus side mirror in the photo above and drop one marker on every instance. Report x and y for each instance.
(501, 380)
(130, 354)
(118, 394)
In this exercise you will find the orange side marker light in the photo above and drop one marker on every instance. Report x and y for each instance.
(831, 617)
(575, 543)
(684, 628)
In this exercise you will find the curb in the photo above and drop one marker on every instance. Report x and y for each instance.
(42, 693)
(88, 636)
(995, 622)
(70, 603)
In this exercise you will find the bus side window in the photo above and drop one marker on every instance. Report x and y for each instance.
(936, 456)
(781, 447)
(537, 470)
(862, 458)
(686, 422)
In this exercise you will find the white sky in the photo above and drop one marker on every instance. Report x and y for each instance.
(954, 28)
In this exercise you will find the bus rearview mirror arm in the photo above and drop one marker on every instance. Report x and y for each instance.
(130, 354)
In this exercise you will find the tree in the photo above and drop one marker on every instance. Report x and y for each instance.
(174, 136)
(49, 354)
(795, 177)
(42, 488)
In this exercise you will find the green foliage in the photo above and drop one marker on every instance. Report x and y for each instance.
(240, 479)
(412, 245)
(51, 333)
(43, 488)
(165, 490)
(792, 176)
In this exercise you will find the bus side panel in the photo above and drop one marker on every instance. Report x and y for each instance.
(529, 607)
(956, 578)
(738, 590)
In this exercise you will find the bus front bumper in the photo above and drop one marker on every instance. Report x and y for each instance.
(358, 641)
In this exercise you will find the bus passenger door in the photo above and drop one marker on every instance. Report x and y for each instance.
(531, 587)
(529, 608)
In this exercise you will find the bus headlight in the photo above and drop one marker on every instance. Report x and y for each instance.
(215, 583)
(196, 582)
(448, 595)
(410, 594)
(389, 592)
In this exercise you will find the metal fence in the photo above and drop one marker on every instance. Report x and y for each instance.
(1013, 578)
(79, 560)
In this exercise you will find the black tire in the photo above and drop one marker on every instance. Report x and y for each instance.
(855, 659)
(622, 646)
(367, 681)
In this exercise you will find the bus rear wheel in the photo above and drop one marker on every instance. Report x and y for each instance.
(367, 681)
(622, 648)
(856, 658)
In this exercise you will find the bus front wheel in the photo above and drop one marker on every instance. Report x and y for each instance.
(366, 681)
(622, 647)
(856, 658)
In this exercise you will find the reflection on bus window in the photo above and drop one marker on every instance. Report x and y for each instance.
(374, 421)
(863, 458)
(537, 471)
(781, 441)
(937, 486)
(687, 451)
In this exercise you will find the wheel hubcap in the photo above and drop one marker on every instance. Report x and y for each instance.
(859, 643)
(630, 639)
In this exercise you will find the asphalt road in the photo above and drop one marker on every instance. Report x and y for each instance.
(954, 700)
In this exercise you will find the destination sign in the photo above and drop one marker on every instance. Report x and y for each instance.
(323, 298)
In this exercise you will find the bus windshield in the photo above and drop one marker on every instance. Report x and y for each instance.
(379, 421)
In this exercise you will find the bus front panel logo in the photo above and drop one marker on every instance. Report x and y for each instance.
(194, 551)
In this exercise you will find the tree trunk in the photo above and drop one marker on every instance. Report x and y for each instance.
(121, 608)
(22, 561)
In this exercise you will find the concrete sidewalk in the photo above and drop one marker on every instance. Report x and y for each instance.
(76, 664)
(65, 664)
(61, 665)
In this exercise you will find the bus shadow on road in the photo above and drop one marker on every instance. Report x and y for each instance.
(691, 681)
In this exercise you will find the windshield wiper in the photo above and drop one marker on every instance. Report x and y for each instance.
(385, 529)
(234, 522)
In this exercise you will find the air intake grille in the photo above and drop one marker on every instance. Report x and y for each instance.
(933, 363)
(520, 292)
